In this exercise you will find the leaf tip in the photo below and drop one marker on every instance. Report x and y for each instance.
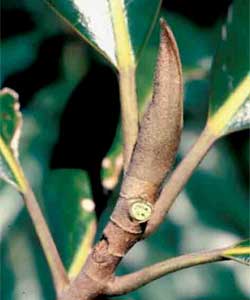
(166, 32)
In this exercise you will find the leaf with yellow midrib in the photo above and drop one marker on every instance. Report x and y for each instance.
(10, 129)
(239, 252)
(118, 29)
(230, 79)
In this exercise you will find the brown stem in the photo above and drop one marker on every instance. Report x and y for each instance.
(129, 111)
(179, 178)
(127, 283)
(153, 155)
(54, 261)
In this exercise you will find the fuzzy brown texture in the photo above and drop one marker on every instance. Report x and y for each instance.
(160, 131)
(153, 156)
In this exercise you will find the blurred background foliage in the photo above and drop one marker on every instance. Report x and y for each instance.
(69, 99)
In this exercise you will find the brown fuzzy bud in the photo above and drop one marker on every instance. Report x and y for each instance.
(161, 127)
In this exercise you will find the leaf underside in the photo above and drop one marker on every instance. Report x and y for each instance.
(239, 253)
(230, 86)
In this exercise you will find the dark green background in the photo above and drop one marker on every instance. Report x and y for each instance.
(44, 61)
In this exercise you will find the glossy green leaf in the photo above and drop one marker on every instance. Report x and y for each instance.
(213, 222)
(196, 62)
(230, 87)
(141, 18)
(239, 252)
(10, 128)
(116, 28)
(71, 214)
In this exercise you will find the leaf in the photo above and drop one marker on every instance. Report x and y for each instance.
(10, 129)
(239, 252)
(71, 215)
(219, 185)
(39, 134)
(230, 87)
(116, 28)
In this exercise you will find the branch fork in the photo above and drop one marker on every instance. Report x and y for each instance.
(143, 203)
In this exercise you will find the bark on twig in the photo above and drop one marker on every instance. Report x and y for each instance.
(57, 269)
(128, 283)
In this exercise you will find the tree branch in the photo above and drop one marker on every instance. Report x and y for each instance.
(152, 157)
(129, 111)
(127, 283)
(54, 261)
(179, 178)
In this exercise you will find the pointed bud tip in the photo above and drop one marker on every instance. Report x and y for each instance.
(163, 23)
(167, 41)
(161, 127)
(166, 32)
